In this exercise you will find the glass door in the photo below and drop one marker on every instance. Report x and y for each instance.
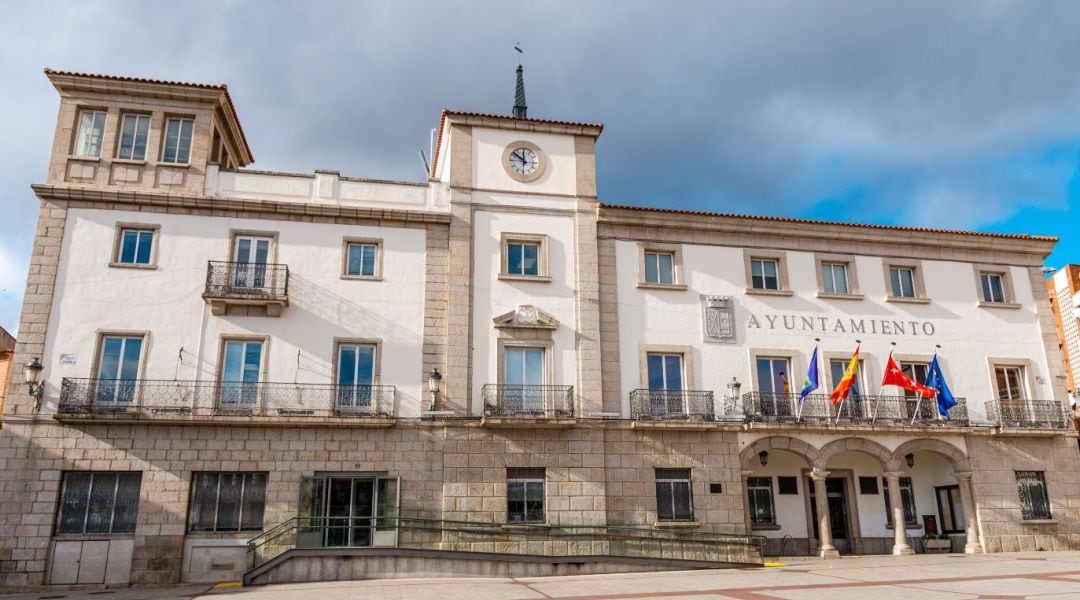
(349, 511)
(665, 373)
(853, 406)
(240, 373)
(524, 379)
(356, 376)
(1010, 391)
(775, 387)
(118, 370)
(251, 255)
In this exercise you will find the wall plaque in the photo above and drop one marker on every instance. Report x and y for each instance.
(718, 319)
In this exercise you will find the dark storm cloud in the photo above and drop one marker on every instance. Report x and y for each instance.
(763, 107)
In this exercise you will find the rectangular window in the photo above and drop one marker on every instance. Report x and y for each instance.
(133, 133)
(907, 497)
(136, 246)
(993, 287)
(660, 268)
(355, 374)
(787, 486)
(834, 277)
(362, 259)
(525, 496)
(837, 368)
(1010, 383)
(98, 502)
(523, 374)
(674, 501)
(177, 148)
(773, 375)
(227, 502)
(241, 370)
(759, 491)
(868, 486)
(523, 258)
(665, 371)
(118, 369)
(1034, 501)
(927, 409)
(764, 274)
(90, 132)
(950, 508)
(902, 282)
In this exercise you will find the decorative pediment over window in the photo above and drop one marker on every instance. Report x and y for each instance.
(526, 316)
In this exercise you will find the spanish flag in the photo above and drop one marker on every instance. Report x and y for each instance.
(844, 387)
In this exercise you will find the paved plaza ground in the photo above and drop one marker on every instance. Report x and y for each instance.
(1042, 575)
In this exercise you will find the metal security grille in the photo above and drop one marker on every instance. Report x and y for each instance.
(1034, 501)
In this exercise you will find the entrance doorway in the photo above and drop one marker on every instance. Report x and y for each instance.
(344, 510)
(836, 494)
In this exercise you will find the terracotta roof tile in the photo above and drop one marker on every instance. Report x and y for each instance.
(206, 86)
(1023, 236)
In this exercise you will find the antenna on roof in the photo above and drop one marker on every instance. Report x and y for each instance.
(520, 109)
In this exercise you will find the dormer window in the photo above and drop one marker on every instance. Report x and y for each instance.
(178, 132)
(91, 131)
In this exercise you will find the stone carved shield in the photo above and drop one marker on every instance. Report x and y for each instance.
(718, 319)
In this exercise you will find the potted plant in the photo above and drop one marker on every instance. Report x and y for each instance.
(937, 544)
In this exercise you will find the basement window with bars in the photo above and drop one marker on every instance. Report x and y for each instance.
(227, 502)
(1034, 501)
(907, 498)
(98, 502)
(674, 501)
(525, 495)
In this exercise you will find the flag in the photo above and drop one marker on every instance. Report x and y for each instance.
(935, 379)
(787, 386)
(844, 387)
(894, 375)
(811, 382)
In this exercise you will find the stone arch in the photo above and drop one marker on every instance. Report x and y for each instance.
(954, 455)
(778, 442)
(874, 449)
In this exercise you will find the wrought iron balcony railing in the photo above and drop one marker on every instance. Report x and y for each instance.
(549, 401)
(149, 397)
(671, 405)
(247, 280)
(1028, 414)
(893, 410)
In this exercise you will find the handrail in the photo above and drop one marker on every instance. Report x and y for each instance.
(511, 400)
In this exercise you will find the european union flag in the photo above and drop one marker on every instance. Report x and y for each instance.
(811, 382)
(936, 380)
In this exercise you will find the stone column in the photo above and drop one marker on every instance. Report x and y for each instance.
(900, 545)
(821, 498)
(746, 503)
(971, 521)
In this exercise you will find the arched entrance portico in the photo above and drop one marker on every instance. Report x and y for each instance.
(961, 472)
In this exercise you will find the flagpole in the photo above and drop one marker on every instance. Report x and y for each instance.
(918, 405)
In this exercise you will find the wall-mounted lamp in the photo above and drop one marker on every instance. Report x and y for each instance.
(433, 382)
(734, 387)
(763, 456)
(32, 373)
(909, 458)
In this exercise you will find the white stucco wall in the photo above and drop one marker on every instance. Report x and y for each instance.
(493, 297)
(488, 173)
(967, 333)
(167, 302)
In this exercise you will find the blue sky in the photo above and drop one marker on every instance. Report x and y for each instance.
(960, 115)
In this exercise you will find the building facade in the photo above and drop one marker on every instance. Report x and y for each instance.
(1064, 289)
(227, 354)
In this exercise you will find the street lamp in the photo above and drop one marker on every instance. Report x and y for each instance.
(734, 387)
(909, 458)
(433, 382)
(32, 373)
(763, 456)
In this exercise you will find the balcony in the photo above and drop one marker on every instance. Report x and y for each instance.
(764, 407)
(233, 284)
(148, 398)
(671, 405)
(528, 401)
(1028, 414)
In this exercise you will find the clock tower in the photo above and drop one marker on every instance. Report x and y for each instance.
(522, 195)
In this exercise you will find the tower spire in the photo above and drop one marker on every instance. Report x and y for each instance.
(520, 109)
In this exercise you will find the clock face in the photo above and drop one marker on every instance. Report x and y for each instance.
(523, 161)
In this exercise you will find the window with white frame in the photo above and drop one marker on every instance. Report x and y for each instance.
(674, 499)
(902, 282)
(134, 130)
(178, 133)
(355, 374)
(135, 246)
(759, 491)
(91, 130)
(993, 287)
(523, 257)
(362, 259)
(834, 278)
(525, 495)
(101, 502)
(764, 274)
(659, 267)
(227, 502)
(118, 369)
